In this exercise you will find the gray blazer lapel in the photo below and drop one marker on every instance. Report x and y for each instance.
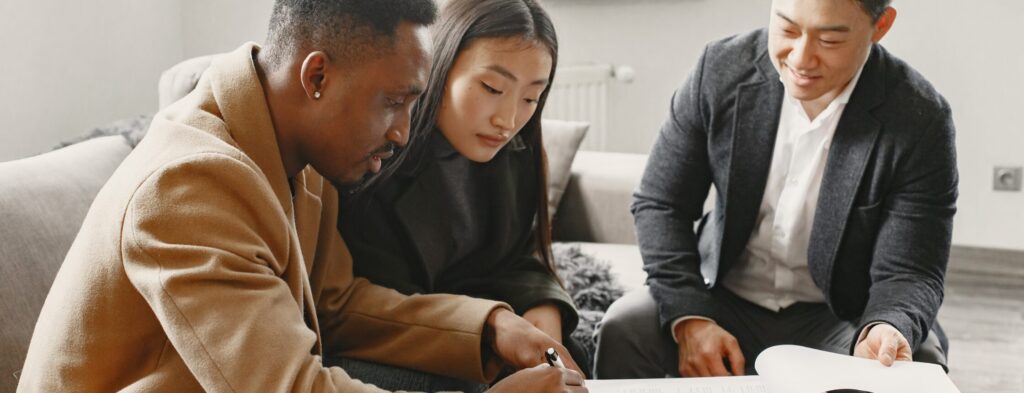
(758, 105)
(852, 145)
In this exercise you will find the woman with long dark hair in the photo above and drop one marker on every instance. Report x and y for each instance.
(466, 210)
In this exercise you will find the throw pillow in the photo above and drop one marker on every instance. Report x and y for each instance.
(561, 140)
(132, 129)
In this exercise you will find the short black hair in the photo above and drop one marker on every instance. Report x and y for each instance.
(348, 30)
(874, 8)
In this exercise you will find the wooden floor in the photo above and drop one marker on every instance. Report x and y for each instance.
(983, 315)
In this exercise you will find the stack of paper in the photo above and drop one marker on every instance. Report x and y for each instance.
(679, 385)
(796, 369)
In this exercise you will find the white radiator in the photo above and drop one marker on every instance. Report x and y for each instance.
(580, 93)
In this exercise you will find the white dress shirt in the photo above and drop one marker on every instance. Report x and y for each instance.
(772, 271)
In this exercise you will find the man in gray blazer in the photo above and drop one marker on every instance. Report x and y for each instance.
(835, 170)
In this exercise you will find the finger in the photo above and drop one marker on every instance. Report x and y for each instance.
(717, 368)
(571, 377)
(701, 369)
(737, 362)
(887, 350)
(904, 353)
(682, 365)
(862, 350)
(685, 371)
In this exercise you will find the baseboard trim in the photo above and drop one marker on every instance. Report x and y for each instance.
(986, 261)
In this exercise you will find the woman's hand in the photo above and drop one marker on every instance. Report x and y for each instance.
(548, 318)
(519, 344)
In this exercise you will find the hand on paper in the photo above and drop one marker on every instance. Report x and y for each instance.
(520, 344)
(546, 317)
(884, 343)
(703, 346)
(542, 378)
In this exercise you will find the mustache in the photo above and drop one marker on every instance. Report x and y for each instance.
(386, 150)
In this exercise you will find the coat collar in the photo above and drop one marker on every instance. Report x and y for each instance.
(421, 206)
(758, 104)
(242, 104)
(239, 99)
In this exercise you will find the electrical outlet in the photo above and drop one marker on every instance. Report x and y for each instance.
(1005, 178)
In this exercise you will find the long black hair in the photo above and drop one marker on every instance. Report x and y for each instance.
(460, 23)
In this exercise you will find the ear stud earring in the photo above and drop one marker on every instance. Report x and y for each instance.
(316, 95)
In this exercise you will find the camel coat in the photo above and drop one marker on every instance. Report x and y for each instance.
(197, 269)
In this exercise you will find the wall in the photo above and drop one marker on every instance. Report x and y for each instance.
(103, 60)
(222, 25)
(971, 53)
(973, 56)
(69, 66)
(661, 39)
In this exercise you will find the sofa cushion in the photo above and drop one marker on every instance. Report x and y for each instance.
(561, 140)
(44, 200)
(595, 207)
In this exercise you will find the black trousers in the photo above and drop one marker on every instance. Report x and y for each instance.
(631, 343)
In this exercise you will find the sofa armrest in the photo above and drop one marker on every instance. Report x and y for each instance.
(43, 201)
(595, 207)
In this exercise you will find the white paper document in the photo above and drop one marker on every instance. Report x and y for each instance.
(796, 369)
(678, 385)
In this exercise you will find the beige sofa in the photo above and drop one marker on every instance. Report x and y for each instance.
(44, 199)
(594, 212)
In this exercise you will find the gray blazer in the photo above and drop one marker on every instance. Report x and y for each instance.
(881, 235)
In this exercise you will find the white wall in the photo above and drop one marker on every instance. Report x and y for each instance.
(661, 39)
(99, 61)
(215, 26)
(69, 66)
(971, 51)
